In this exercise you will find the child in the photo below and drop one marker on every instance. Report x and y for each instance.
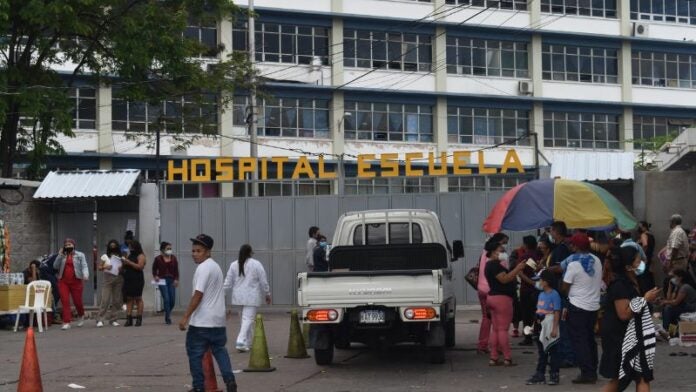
(549, 309)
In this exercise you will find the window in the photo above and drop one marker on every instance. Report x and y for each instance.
(581, 130)
(467, 56)
(374, 186)
(284, 43)
(664, 69)
(84, 113)
(375, 234)
(479, 183)
(671, 11)
(518, 5)
(205, 34)
(379, 49)
(651, 132)
(482, 126)
(392, 122)
(579, 64)
(287, 117)
(598, 8)
(178, 114)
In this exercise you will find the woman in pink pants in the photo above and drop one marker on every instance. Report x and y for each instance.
(502, 284)
(483, 288)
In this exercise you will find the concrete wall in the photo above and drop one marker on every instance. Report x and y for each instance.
(28, 223)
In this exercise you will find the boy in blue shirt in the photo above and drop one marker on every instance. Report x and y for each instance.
(548, 316)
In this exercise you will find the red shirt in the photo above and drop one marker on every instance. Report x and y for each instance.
(69, 270)
(163, 269)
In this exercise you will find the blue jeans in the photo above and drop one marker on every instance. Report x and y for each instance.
(198, 341)
(168, 297)
(566, 353)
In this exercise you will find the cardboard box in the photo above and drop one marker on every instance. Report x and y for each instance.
(687, 328)
(12, 297)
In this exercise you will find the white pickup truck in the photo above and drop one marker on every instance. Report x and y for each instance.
(389, 281)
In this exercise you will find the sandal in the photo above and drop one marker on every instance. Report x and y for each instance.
(492, 362)
(509, 363)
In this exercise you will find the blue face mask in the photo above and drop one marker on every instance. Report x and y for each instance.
(640, 269)
(322, 244)
(538, 286)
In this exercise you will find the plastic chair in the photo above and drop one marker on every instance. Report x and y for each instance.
(42, 291)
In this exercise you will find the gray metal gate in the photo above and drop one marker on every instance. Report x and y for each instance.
(276, 228)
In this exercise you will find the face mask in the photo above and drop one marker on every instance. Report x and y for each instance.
(538, 286)
(168, 252)
(674, 281)
(68, 250)
(502, 256)
(641, 268)
(322, 244)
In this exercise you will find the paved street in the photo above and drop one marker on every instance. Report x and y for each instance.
(152, 358)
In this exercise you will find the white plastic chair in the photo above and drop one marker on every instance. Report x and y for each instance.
(42, 290)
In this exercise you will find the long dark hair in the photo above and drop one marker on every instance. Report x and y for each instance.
(108, 248)
(244, 254)
(136, 247)
(685, 277)
(622, 257)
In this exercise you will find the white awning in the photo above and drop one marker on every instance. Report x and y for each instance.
(592, 166)
(86, 183)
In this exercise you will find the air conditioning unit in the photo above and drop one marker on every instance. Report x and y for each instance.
(640, 29)
(526, 87)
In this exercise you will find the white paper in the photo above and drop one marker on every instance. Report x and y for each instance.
(75, 386)
(115, 262)
(161, 282)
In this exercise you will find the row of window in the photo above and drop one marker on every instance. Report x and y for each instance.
(288, 117)
(284, 43)
(579, 64)
(664, 69)
(173, 115)
(468, 125)
(466, 56)
(581, 130)
(377, 49)
(392, 122)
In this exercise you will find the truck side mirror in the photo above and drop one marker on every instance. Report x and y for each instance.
(457, 249)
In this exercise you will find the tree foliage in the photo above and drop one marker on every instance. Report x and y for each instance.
(50, 45)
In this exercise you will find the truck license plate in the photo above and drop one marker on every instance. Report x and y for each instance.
(372, 317)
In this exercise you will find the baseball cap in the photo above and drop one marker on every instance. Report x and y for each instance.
(203, 240)
(580, 241)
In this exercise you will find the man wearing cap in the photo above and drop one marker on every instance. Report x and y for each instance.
(205, 317)
(582, 283)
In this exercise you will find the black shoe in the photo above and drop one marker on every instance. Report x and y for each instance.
(585, 380)
(167, 321)
(567, 365)
(537, 379)
(527, 341)
(554, 379)
(139, 321)
(231, 386)
(129, 321)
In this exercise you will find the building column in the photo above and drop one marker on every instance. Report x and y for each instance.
(536, 125)
(534, 12)
(225, 113)
(105, 140)
(337, 101)
(440, 113)
(536, 66)
(626, 129)
(624, 15)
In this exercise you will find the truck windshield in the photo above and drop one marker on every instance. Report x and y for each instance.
(375, 234)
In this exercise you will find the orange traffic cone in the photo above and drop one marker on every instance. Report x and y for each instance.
(29, 374)
(209, 378)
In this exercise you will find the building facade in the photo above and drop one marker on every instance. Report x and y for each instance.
(349, 77)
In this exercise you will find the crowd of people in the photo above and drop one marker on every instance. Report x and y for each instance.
(564, 287)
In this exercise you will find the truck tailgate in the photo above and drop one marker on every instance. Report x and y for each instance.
(414, 287)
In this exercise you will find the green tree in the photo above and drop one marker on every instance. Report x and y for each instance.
(136, 44)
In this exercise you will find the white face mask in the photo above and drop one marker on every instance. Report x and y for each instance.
(168, 252)
(502, 256)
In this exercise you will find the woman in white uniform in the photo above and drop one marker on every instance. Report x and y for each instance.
(247, 280)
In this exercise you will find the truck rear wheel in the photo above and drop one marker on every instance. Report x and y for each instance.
(324, 356)
(450, 333)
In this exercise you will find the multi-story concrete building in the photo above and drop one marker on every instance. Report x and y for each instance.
(349, 77)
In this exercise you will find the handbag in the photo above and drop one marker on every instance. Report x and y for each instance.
(472, 277)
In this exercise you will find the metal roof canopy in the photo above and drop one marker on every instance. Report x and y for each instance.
(87, 184)
(592, 165)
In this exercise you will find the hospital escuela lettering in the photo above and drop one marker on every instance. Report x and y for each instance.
(368, 166)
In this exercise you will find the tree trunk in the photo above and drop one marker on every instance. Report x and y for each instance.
(8, 141)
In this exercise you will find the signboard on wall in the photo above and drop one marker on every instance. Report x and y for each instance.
(223, 169)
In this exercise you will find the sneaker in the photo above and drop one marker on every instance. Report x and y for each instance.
(81, 321)
(537, 379)
(554, 379)
(65, 327)
(115, 323)
(241, 347)
(99, 324)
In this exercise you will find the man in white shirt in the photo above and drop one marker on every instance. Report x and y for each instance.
(582, 282)
(205, 317)
(311, 244)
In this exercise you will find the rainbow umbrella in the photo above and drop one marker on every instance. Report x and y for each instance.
(539, 203)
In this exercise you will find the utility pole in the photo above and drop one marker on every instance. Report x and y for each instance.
(253, 117)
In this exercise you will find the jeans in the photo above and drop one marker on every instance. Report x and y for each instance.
(246, 333)
(549, 358)
(168, 292)
(501, 316)
(581, 327)
(565, 346)
(670, 315)
(198, 341)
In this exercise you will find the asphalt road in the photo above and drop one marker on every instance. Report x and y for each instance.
(153, 358)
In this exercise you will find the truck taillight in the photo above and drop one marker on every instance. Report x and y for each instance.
(322, 315)
(420, 313)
